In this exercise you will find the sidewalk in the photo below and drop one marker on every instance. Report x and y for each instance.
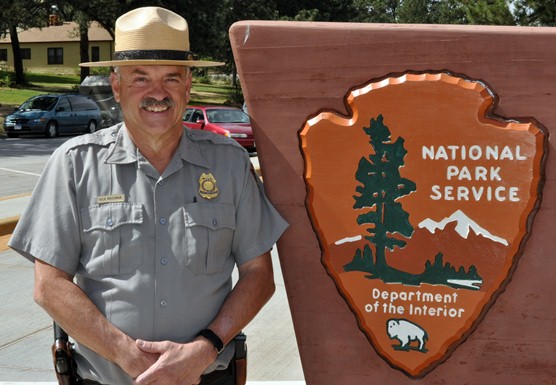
(26, 330)
(10, 210)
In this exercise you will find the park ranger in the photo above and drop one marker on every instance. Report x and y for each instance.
(135, 230)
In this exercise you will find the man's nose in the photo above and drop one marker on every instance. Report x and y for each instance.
(158, 88)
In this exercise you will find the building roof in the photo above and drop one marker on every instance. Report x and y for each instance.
(66, 32)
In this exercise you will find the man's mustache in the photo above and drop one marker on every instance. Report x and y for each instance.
(150, 102)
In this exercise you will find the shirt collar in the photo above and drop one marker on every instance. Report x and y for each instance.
(124, 150)
(190, 150)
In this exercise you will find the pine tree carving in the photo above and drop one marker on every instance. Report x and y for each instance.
(380, 186)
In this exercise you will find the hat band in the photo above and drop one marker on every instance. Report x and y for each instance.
(153, 55)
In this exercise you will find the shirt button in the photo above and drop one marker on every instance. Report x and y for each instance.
(161, 183)
(109, 222)
(214, 222)
(163, 221)
(163, 303)
(163, 260)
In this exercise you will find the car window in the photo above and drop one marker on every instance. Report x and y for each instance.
(43, 103)
(197, 115)
(213, 116)
(92, 105)
(188, 114)
(63, 103)
(81, 103)
(76, 103)
(227, 116)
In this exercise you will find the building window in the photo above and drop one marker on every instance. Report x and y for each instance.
(3, 55)
(56, 56)
(95, 53)
(25, 53)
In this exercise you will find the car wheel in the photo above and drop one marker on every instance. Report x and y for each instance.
(92, 126)
(51, 129)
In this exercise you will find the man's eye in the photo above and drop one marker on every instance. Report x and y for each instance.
(140, 81)
(173, 82)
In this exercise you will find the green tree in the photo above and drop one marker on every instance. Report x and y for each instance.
(434, 11)
(381, 186)
(208, 32)
(204, 19)
(377, 11)
(316, 10)
(19, 15)
(104, 12)
(488, 12)
(237, 10)
(431, 12)
(84, 45)
(535, 12)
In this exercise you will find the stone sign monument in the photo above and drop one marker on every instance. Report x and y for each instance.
(413, 165)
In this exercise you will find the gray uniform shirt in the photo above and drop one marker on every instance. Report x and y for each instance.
(152, 251)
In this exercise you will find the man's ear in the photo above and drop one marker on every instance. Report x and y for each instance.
(115, 84)
(189, 80)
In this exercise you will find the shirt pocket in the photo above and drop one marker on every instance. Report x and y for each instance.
(209, 232)
(112, 238)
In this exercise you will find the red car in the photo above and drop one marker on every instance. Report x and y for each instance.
(227, 121)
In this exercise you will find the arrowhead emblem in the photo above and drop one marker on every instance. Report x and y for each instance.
(422, 201)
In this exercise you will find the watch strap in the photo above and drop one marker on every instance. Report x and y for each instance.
(213, 339)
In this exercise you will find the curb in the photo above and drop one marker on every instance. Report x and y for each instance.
(7, 225)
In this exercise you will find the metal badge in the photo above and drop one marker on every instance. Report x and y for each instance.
(207, 186)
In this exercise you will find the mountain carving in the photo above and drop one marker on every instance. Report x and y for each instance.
(464, 225)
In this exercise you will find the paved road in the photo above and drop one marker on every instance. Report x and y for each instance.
(22, 161)
(26, 332)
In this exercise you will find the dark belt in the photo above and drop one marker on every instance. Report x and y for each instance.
(89, 382)
(206, 379)
(218, 375)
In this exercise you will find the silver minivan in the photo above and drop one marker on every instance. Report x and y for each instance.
(52, 115)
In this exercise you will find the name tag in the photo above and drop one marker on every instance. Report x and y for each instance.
(111, 198)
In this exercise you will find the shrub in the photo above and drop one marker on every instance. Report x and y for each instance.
(7, 78)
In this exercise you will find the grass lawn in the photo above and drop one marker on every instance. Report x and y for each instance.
(52, 81)
(14, 97)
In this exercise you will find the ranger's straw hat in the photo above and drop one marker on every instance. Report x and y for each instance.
(152, 36)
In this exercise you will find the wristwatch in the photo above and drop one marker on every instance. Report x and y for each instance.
(213, 339)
